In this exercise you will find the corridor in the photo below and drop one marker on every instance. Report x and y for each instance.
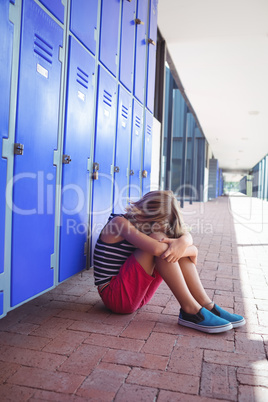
(65, 346)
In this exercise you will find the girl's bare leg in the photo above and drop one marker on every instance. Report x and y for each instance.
(172, 275)
(194, 283)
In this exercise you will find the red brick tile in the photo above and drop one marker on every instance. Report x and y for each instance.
(89, 316)
(159, 344)
(253, 343)
(163, 380)
(206, 341)
(169, 396)
(249, 394)
(172, 307)
(96, 327)
(23, 341)
(53, 327)
(83, 360)
(138, 329)
(134, 393)
(32, 358)
(40, 316)
(115, 342)
(133, 359)
(9, 392)
(66, 342)
(56, 397)
(104, 382)
(46, 379)
(160, 299)
(23, 328)
(230, 359)
(219, 382)
(186, 361)
(118, 319)
(6, 370)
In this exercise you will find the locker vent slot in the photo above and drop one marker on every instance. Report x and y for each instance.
(137, 122)
(43, 48)
(149, 130)
(124, 112)
(107, 98)
(82, 78)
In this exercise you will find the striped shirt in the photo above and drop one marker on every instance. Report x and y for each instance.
(109, 257)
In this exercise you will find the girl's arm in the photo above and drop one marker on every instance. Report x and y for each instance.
(170, 249)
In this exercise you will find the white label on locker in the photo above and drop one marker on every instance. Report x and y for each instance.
(106, 113)
(41, 70)
(81, 96)
(137, 132)
(123, 124)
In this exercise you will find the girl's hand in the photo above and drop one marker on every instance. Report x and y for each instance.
(176, 249)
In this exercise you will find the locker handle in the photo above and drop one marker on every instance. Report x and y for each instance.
(131, 172)
(129, 1)
(116, 169)
(138, 21)
(151, 41)
(95, 174)
(96, 166)
(144, 173)
(66, 159)
(18, 148)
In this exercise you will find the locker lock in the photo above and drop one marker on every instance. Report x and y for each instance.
(138, 21)
(144, 173)
(151, 41)
(18, 148)
(95, 174)
(116, 169)
(66, 159)
(131, 172)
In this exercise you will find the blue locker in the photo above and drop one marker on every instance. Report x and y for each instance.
(104, 151)
(147, 153)
(55, 7)
(6, 35)
(122, 150)
(126, 71)
(1, 303)
(34, 173)
(136, 149)
(140, 50)
(109, 34)
(77, 145)
(152, 42)
(83, 22)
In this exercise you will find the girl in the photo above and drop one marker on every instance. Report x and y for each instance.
(137, 250)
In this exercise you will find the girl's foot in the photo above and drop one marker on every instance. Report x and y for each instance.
(204, 321)
(235, 319)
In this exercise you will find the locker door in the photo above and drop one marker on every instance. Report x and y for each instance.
(127, 44)
(104, 151)
(77, 145)
(135, 158)
(147, 153)
(140, 51)
(109, 34)
(6, 35)
(152, 41)
(55, 7)
(34, 173)
(122, 149)
(84, 22)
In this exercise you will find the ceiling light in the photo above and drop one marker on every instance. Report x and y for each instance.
(253, 112)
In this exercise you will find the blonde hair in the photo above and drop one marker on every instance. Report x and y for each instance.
(157, 211)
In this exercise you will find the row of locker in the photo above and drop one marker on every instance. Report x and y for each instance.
(119, 49)
(63, 186)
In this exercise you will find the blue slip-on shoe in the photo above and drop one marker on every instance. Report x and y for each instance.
(235, 319)
(204, 321)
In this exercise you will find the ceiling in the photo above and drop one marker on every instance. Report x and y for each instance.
(220, 51)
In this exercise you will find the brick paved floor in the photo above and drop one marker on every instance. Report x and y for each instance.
(65, 346)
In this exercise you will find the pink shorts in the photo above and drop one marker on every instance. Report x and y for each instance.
(131, 289)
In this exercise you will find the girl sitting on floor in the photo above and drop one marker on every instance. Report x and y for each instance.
(137, 250)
